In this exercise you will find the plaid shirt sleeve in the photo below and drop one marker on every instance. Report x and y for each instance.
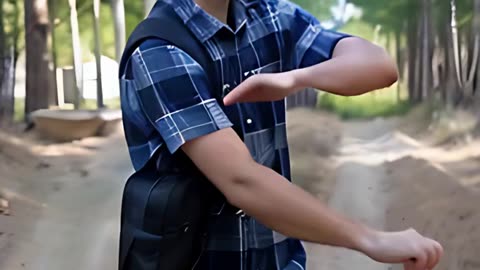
(313, 44)
(174, 93)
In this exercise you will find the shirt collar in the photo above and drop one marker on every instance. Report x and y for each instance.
(204, 25)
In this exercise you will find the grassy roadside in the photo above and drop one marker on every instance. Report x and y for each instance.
(382, 103)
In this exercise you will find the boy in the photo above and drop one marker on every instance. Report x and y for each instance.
(265, 50)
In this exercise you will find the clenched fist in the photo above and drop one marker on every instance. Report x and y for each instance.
(415, 251)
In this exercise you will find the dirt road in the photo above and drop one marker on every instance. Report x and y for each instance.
(71, 220)
(65, 199)
(391, 181)
(358, 191)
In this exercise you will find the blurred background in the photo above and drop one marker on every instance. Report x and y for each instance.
(407, 156)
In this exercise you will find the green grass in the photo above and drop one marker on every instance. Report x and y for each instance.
(91, 104)
(376, 104)
(19, 110)
(382, 103)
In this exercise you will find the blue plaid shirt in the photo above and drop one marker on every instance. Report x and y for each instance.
(168, 102)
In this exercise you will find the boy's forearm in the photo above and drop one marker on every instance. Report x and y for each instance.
(357, 67)
(268, 196)
(286, 208)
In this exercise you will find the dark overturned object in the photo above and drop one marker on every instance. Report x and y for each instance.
(69, 125)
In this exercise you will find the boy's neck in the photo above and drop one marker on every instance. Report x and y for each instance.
(216, 8)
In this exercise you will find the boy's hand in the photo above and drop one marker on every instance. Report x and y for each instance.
(408, 247)
(263, 87)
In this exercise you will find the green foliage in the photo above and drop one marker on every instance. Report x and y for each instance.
(377, 104)
(321, 9)
(13, 21)
(91, 104)
(133, 14)
(14, 15)
(359, 28)
(19, 107)
(392, 15)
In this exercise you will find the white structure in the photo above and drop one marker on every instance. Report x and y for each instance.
(341, 13)
(110, 83)
(65, 82)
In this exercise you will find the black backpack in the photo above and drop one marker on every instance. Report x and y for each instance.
(171, 235)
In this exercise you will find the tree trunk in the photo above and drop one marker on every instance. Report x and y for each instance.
(7, 93)
(476, 41)
(451, 58)
(471, 62)
(52, 8)
(412, 56)
(8, 62)
(466, 51)
(118, 11)
(2, 43)
(77, 54)
(444, 69)
(16, 31)
(418, 95)
(399, 56)
(5, 102)
(98, 55)
(427, 49)
(38, 89)
(455, 42)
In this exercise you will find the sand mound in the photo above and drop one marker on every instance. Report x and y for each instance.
(313, 137)
(417, 120)
(437, 205)
(313, 132)
(441, 127)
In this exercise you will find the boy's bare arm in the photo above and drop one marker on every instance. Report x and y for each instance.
(280, 205)
(357, 66)
(266, 195)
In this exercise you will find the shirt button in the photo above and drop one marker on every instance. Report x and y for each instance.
(249, 121)
(226, 89)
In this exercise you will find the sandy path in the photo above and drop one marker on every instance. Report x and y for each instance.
(392, 182)
(66, 216)
(354, 196)
(75, 224)
(357, 193)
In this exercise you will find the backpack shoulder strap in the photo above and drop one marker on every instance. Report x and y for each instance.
(168, 26)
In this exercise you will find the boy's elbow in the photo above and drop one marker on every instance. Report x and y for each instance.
(377, 69)
(390, 75)
(239, 184)
(387, 69)
(237, 194)
(384, 68)
(386, 75)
